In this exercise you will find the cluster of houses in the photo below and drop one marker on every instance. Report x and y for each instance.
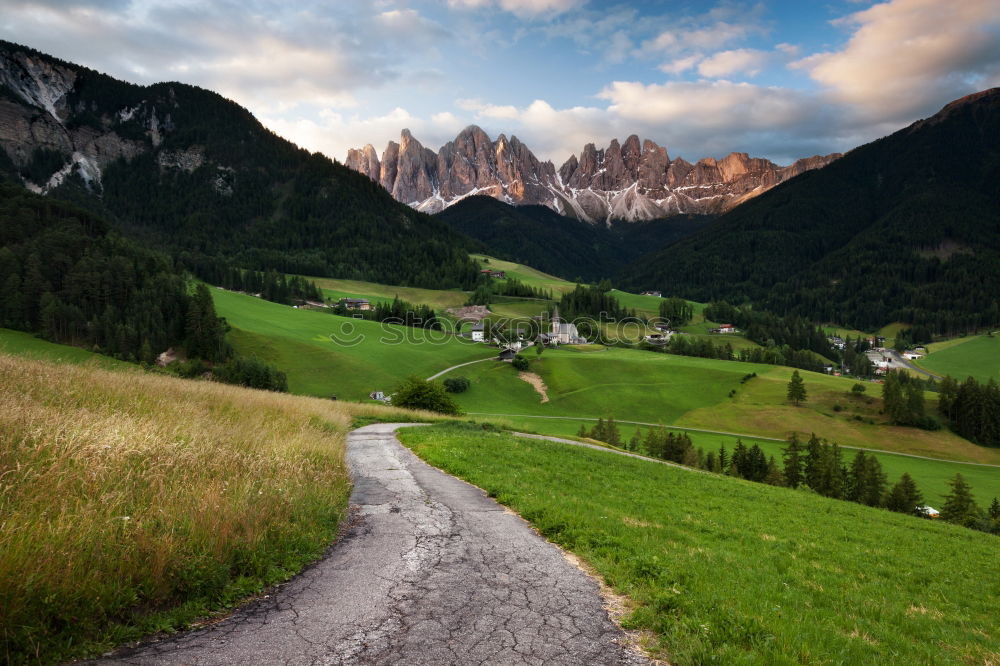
(499, 275)
(652, 293)
(560, 333)
(723, 328)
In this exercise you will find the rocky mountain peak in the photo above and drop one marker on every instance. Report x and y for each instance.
(634, 180)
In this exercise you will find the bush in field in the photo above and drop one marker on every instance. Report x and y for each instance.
(520, 363)
(251, 373)
(417, 393)
(457, 384)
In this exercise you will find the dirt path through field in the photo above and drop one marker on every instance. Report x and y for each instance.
(536, 383)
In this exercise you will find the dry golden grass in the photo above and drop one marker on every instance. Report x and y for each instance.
(123, 493)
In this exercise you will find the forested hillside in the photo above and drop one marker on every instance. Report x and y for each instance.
(906, 228)
(68, 277)
(559, 245)
(191, 172)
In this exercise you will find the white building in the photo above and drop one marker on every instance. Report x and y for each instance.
(477, 332)
(564, 332)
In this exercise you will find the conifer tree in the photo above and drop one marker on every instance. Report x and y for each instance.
(813, 467)
(904, 496)
(636, 441)
(738, 465)
(611, 434)
(796, 389)
(723, 459)
(959, 505)
(774, 477)
(756, 464)
(995, 509)
(712, 462)
(793, 462)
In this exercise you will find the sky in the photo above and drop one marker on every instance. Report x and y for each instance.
(777, 79)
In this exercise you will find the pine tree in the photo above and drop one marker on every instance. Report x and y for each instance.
(813, 467)
(904, 496)
(793, 462)
(633, 444)
(756, 464)
(612, 436)
(857, 481)
(723, 459)
(739, 466)
(796, 389)
(774, 477)
(995, 509)
(959, 505)
(712, 462)
(598, 431)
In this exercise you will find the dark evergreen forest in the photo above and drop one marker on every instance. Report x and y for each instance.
(906, 228)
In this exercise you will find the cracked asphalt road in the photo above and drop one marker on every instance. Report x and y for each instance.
(431, 571)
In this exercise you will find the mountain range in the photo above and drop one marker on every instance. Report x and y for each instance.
(625, 182)
(185, 170)
(903, 229)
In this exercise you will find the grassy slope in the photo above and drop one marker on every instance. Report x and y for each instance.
(299, 342)
(438, 299)
(692, 392)
(27, 345)
(134, 502)
(725, 571)
(977, 356)
(526, 274)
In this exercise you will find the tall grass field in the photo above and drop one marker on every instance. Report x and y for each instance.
(132, 502)
(724, 571)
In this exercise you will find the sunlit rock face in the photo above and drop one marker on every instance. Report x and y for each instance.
(628, 181)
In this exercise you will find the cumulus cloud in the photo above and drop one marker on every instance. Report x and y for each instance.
(738, 61)
(265, 54)
(681, 65)
(333, 132)
(906, 57)
(522, 8)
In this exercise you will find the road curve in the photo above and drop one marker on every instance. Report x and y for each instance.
(430, 571)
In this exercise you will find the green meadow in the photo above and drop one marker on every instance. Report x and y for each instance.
(975, 356)
(526, 274)
(26, 345)
(721, 570)
(932, 476)
(694, 393)
(325, 355)
(438, 299)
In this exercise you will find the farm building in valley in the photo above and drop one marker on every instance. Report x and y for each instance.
(356, 303)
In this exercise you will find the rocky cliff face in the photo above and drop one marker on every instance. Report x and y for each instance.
(43, 118)
(630, 181)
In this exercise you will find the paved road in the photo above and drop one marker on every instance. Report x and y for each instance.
(431, 571)
(899, 361)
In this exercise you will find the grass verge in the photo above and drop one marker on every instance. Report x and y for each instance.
(133, 502)
(726, 571)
